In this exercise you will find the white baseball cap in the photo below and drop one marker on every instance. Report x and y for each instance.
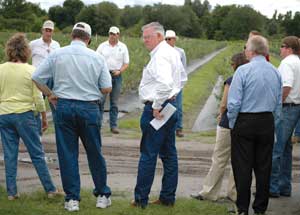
(170, 34)
(114, 30)
(83, 27)
(48, 24)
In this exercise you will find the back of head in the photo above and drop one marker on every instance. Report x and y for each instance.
(292, 42)
(17, 48)
(82, 31)
(258, 45)
(239, 59)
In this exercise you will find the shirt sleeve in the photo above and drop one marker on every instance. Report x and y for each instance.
(287, 74)
(183, 59)
(126, 55)
(44, 72)
(38, 99)
(162, 73)
(104, 80)
(235, 97)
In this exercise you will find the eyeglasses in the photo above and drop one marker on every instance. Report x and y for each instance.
(112, 34)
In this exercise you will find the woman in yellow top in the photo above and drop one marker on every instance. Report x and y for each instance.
(19, 98)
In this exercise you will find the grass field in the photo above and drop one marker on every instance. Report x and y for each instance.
(37, 204)
(139, 56)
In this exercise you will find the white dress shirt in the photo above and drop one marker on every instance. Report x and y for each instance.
(289, 69)
(115, 56)
(161, 78)
(40, 50)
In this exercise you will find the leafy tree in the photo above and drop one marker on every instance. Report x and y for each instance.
(72, 9)
(100, 16)
(131, 16)
(240, 21)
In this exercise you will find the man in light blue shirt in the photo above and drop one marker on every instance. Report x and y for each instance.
(255, 93)
(78, 74)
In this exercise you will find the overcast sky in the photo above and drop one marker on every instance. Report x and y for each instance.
(266, 7)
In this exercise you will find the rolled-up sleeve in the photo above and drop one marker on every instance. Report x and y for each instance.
(235, 97)
(44, 72)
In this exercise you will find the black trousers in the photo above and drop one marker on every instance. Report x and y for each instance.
(252, 141)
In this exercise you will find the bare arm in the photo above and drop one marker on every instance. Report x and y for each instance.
(105, 90)
(223, 104)
(45, 90)
(285, 93)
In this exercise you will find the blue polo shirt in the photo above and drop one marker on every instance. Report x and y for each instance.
(77, 72)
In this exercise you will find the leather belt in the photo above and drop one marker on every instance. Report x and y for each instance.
(290, 104)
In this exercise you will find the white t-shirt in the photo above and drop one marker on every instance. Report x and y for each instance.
(40, 50)
(289, 69)
(115, 56)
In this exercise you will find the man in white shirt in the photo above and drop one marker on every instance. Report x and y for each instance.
(117, 58)
(171, 40)
(161, 82)
(289, 68)
(40, 49)
(43, 46)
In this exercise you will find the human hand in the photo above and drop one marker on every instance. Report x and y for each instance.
(157, 114)
(53, 99)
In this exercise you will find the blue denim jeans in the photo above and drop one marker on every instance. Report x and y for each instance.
(179, 110)
(24, 126)
(281, 174)
(154, 143)
(297, 129)
(113, 98)
(79, 119)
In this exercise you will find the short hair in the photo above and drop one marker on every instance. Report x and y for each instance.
(239, 59)
(255, 33)
(76, 33)
(17, 48)
(258, 44)
(158, 28)
(292, 42)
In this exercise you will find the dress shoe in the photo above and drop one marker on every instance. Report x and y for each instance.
(285, 194)
(179, 133)
(197, 196)
(159, 202)
(274, 195)
(114, 131)
(135, 204)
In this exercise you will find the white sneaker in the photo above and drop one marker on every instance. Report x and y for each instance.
(72, 205)
(103, 202)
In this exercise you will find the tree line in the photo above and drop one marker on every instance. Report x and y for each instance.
(195, 18)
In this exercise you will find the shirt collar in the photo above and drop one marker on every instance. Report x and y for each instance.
(78, 43)
(157, 47)
(258, 58)
(45, 42)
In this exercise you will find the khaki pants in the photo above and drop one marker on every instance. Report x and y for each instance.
(220, 158)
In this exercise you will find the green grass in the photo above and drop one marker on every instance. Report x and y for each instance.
(37, 204)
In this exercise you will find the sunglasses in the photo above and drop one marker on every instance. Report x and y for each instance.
(283, 46)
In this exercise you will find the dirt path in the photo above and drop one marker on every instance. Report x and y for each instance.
(122, 159)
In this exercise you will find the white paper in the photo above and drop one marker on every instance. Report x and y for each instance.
(167, 112)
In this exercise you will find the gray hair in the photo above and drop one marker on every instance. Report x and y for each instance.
(158, 28)
(258, 44)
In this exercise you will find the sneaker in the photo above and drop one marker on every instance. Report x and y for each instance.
(103, 202)
(197, 196)
(56, 193)
(11, 198)
(72, 205)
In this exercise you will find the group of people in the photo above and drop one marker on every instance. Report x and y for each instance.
(76, 80)
(258, 101)
(259, 112)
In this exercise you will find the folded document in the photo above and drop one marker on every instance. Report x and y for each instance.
(167, 112)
